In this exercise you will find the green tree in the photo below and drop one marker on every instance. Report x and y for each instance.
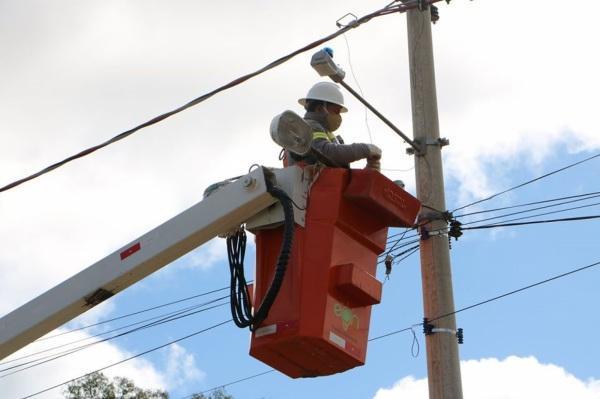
(98, 386)
(217, 394)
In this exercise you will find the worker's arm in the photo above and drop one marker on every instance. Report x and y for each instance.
(341, 154)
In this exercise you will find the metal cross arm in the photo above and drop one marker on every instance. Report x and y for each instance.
(322, 62)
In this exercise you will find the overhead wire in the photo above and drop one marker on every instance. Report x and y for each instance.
(530, 286)
(396, 243)
(46, 359)
(398, 8)
(503, 295)
(516, 291)
(407, 253)
(492, 299)
(533, 216)
(573, 219)
(230, 383)
(513, 222)
(160, 319)
(539, 208)
(133, 313)
(393, 241)
(592, 195)
(360, 90)
(153, 349)
(529, 182)
(410, 328)
(406, 244)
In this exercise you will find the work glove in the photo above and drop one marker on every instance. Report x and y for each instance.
(374, 157)
(374, 152)
(374, 164)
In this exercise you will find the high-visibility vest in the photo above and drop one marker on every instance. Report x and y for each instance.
(324, 135)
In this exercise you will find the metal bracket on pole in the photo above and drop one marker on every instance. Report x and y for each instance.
(426, 234)
(440, 142)
(430, 329)
(433, 214)
(422, 5)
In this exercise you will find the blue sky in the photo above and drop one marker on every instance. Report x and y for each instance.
(517, 98)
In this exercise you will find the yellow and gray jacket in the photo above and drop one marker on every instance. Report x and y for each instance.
(326, 147)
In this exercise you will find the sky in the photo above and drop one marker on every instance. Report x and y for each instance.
(517, 95)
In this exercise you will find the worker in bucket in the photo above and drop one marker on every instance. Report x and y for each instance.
(324, 104)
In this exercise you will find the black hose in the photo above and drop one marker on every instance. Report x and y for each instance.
(240, 304)
(236, 247)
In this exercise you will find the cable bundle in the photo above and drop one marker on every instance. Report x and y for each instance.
(241, 307)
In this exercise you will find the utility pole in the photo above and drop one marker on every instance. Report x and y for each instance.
(443, 365)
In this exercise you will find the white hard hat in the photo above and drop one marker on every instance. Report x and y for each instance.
(325, 91)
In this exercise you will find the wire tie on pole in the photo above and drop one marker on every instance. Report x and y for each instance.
(426, 235)
(430, 329)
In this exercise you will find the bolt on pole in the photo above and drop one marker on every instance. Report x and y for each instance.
(443, 365)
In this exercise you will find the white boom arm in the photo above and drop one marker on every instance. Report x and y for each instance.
(221, 212)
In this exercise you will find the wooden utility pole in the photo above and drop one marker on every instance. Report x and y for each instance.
(442, 347)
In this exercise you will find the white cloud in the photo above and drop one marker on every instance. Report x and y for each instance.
(92, 71)
(97, 313)
(178, 368)
(141, 371)
(77, 73)
(181, 367)
(510, 98)
(203, 258)
(511, 378)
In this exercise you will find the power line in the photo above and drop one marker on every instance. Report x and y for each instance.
(537, 214)
(384, 11)
(403, 236)
(573, 219)
(527, 287)
(99, 334)
(129, 358)
(495, 298)
(501, 223)
(590, 195)
(230, 383)
(164, 318)
(383, 256)
(396, 243)
(409, 252)
(360, 90)
(539, 208)
(577, 198)
(406, 329)
(528, 182)
(508, 222)
(133, 313)
(55, 356)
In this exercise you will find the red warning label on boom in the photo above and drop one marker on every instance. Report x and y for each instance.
(130, 251)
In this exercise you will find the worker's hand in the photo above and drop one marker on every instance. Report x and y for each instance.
(374, 164)
(374, 152)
